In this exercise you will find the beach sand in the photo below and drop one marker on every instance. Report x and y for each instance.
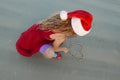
(100, 48)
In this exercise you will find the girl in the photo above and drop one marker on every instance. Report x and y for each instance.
(46, 36)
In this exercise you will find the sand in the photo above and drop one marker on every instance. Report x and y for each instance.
(100, 48)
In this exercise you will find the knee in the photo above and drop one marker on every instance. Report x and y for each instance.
(49, 53)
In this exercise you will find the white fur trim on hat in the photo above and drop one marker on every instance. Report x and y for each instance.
(77, 27)
(63, 15)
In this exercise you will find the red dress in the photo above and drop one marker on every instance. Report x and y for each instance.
(32, 39)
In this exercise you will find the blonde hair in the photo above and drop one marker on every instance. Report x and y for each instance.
(55, 23)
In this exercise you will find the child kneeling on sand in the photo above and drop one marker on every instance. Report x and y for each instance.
(46, 36)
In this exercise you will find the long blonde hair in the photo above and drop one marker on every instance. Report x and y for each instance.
(55, 23)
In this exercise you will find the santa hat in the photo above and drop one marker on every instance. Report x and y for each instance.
(81, 21)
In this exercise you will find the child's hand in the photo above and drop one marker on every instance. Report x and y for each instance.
(65, 50)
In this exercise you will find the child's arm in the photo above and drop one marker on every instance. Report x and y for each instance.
(59, 39)
(56, 45)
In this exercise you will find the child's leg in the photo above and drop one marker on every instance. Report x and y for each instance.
(48, 52)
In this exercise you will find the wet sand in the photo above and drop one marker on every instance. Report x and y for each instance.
(100, 49)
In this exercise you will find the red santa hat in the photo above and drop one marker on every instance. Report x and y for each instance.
(81, 21)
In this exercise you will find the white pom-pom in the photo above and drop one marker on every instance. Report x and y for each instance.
(63, 15)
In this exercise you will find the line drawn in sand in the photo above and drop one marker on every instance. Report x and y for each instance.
(76, 50)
